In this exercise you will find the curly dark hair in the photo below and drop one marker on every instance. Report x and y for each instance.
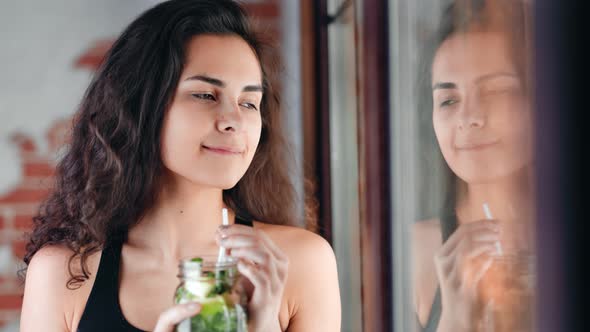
(110, 174)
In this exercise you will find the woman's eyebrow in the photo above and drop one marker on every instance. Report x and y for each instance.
(444, 86)
(207, 79)
(221, 84)
(450, 85)
(253, 88)
(495, 75)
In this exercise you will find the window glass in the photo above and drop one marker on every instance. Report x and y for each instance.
(462, 165)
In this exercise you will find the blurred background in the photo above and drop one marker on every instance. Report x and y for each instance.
(354, 85)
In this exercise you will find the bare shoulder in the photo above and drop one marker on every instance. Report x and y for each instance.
(298, 243)
(51, 258)
(53, 264)
(312, 292)
(427, 234)
(48, 301)
(426, 240)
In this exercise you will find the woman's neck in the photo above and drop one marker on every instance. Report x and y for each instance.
(182, 222)
(507, 199)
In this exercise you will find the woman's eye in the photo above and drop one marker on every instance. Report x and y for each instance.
(448, 102)
(204, 96)
(250, 106)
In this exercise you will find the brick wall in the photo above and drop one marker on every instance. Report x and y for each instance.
(18, 205)
(16, 209)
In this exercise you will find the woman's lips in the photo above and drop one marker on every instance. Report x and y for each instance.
(222, 150)
(474, 146)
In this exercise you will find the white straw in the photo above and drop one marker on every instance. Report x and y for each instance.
(224, 218)
(489, 316)
(225, 222)
(488, 213)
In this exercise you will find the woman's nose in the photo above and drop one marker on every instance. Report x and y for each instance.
(471, 115)
(228, 117)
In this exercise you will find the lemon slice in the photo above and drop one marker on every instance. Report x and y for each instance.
(200, 289)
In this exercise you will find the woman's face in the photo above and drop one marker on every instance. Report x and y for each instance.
(212, 128)
(481, 114)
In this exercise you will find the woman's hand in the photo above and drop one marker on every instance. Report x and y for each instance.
(460, 265)
(265, 266)
(176, 314)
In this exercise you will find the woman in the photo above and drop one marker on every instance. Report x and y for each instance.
(180, 121)
(481, 117)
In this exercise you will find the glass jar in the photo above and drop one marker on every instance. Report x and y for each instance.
(508, 290)
(215, 285)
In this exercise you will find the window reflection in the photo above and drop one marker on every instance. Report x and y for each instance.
(473, 262)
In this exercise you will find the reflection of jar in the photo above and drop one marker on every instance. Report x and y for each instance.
(507, 292)
(215, 285)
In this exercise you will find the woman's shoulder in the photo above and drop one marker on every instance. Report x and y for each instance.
(49, 297)
(427, 230)
(309, 254)
(52, 258)
(56, 262)
(426, 240)
(311, 292)
(297, 242)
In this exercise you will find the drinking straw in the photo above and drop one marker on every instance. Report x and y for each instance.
(488, 213)
(489, 316)
(221, 257)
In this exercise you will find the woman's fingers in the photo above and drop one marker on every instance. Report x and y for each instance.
(461, 263)
(469, 242)
(488, 248)
(257, 247)
(169, 318)
(264, 262)
(469, 231)
(235, 229)
(258, 279)
(465, 251)
(255, 255)
(239, 236)
(238, 241)
(482, 269)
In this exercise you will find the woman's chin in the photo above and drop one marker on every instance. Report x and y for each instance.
(490, 176)
(224, 183)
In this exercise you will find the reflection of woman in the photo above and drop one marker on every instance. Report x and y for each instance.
(482, 122)
(180, 121)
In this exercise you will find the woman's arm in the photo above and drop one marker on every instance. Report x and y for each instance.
(314, 285)
(47, 304)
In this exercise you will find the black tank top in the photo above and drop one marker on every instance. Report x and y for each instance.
(103, 311)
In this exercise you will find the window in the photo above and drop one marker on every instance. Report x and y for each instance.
(462, 143)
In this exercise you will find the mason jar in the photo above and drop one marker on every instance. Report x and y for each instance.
(508, 289)
(217, 287)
